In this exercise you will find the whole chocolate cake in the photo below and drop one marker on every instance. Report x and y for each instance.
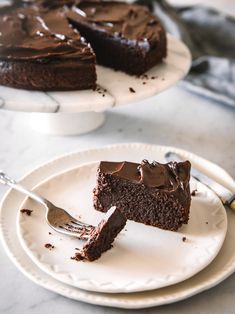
(151, 193)
(124, 36)
(102, 237)
(46, 44)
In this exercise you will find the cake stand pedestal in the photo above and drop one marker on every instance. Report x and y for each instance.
(77, 112)
(66, 123)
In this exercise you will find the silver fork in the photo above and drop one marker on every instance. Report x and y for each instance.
(57, 218)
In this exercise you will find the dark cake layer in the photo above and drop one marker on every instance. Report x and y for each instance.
(154, 194)
(102, 237)
(39, 50)
(124, 36)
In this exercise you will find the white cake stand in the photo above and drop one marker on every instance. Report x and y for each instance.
(77, 112)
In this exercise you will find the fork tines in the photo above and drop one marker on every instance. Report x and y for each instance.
(77, 228)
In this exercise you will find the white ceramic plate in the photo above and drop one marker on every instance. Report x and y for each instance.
(143, 257)
(217, 271)
(116, 84)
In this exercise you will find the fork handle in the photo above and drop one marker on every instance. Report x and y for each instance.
(4, 179)
(231, 202)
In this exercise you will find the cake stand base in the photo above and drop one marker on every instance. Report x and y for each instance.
(66, 123)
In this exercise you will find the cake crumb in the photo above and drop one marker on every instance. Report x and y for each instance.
(206, 222)
(194, 192)
(49, 246)
(143, 83)
(78, 257)
(184, 239)
(28, 212)
(145, 76)
(49, 233)
(131, 90)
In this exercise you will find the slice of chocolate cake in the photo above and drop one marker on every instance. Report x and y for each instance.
(102, 237)
(124, 36)
(39, 50)
(151, 193)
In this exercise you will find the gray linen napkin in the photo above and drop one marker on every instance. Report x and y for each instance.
(210, 36)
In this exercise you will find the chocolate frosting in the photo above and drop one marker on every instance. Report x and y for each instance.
(168, 176)
(29, 32)
(132, 23)
(34, 30)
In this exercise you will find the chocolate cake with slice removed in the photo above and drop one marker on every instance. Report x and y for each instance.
(102, 237)
(46, 44)
(124, 36)
(151, 193)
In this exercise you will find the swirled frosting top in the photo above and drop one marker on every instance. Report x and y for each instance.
(30, 31)
(168, 176)
(131, 22)
(40, 29)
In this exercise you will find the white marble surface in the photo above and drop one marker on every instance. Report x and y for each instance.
(176, 118)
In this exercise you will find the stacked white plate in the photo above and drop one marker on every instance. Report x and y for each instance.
(147, 266)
